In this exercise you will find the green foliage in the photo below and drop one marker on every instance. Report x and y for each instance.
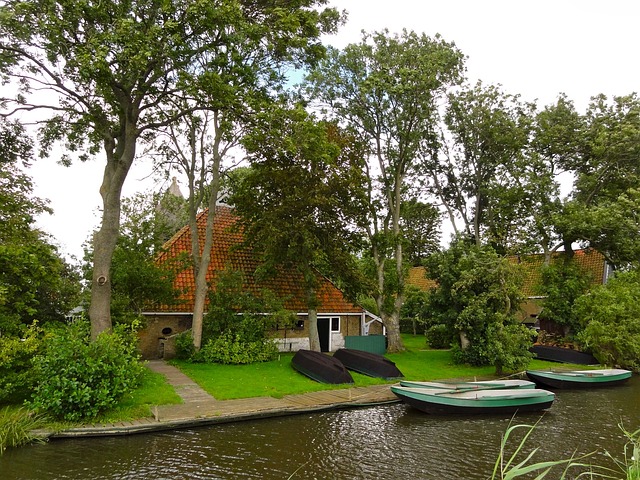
(562, 283)
(611, 318)
(230, 348)
(16, 427)
(78, 379)
(17, 355)
(120, 70)
(420, 230)
(510, 466)
(477, 297)
(482, 174)
(185, 349)
(602, 212)
(36, 283)
(302, 197)
(416, 304)
(439, 336)
(611, 226)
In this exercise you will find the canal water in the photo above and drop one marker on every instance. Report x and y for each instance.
(382, 442)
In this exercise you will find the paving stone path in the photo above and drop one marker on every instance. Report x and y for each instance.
(200, 408)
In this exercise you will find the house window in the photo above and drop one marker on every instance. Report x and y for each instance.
(335, 324)
(300, 324)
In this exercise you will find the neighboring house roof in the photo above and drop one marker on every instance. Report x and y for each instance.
(418, 278)
(590, 260)
(227, 252)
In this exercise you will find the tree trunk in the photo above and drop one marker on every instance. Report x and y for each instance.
(314, 338)
(202, 259)
(202, 287)
(105, 239)
(312, 309)
(394, 340)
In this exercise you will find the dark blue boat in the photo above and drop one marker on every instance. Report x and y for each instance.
(368, 363)
(320, 367)
(563, 355)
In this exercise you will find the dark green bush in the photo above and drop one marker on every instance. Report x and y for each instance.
(611, 317)
(16, 363)
(78, 379)
(185, 349)
(230, 348)
(439, 336)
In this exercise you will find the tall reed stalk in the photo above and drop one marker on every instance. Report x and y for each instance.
(512, 466)
(16, 427)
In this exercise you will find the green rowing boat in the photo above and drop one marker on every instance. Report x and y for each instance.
(579, 378)
(474, 401)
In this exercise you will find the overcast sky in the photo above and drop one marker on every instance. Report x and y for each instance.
(534, 48)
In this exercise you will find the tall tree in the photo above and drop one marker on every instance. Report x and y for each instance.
(36, 283)
(196, 147)
(301, 201)
(115, 69)
(387, 89)
(604, 203)
(555, 143)
(476, 176)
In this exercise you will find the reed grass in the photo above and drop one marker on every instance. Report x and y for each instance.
(511, 466)
(17, 426)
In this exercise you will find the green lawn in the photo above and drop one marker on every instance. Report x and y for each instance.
(278, 378)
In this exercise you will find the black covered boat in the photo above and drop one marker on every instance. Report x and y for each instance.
(368, 363)
(563, 355)
(320, 367)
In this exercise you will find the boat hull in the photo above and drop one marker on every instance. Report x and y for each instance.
(368, 363)
(579, 378)
(435, 401)
(563, 355)
(320, 367)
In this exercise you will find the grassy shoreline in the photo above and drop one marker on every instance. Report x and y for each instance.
(276, 379)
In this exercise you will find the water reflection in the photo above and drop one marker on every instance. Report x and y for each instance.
(386, 442)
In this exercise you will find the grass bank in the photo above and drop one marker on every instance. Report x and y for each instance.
(278, 378)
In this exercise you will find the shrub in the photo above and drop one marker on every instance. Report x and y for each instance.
(78, 379)
(230, 348)
(611, 314)
(561, 284)
(16, 363)
(439, 336)
(185, 349)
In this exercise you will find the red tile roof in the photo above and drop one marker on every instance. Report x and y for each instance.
(590, 260)
(227, 253)
(417, 277)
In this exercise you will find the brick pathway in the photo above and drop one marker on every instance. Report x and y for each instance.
(200, 408)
